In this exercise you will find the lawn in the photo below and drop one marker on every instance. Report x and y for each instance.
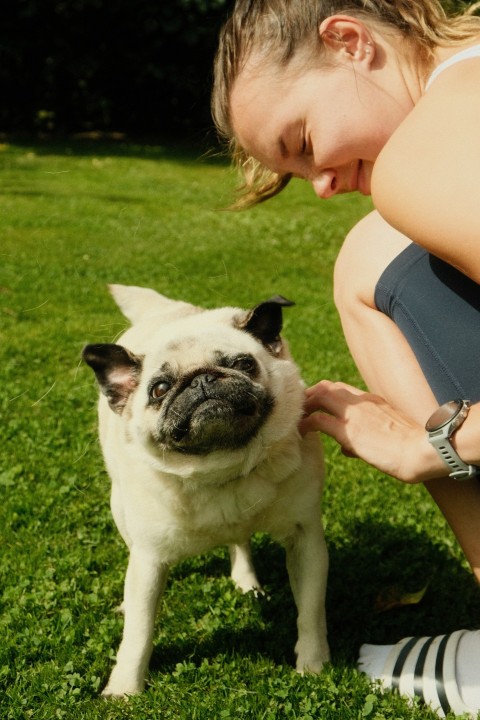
(74, 217)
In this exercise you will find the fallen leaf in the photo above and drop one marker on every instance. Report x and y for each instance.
(394, 596)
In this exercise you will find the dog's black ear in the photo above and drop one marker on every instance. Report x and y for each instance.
(265, 322)
(117, 371)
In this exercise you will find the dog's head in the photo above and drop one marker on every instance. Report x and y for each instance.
(194, 382)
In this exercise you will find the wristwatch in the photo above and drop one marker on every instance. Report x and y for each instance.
(440, 428)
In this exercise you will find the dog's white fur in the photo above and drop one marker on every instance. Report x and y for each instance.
(169, 506)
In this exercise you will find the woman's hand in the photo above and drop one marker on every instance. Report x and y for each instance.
(367, 427)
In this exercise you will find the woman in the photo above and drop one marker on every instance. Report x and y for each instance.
(381, 96)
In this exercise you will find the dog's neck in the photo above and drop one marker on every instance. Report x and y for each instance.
(217, 469)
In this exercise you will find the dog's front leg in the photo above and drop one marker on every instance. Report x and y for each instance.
(144, 583)
(307, 564)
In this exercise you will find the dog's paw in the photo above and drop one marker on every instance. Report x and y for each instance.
(246, 585)
(258, 592)
(110, 692)
(312, 659)
(245, 579)
(314, 667)
(120, 686)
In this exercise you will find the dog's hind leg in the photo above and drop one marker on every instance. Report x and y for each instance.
(144, 585)
(243, 573)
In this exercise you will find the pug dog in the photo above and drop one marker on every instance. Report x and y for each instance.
(198, 419)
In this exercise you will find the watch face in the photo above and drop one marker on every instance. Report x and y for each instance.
(443, 415)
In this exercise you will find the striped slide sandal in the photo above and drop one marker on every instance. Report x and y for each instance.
(424, 667)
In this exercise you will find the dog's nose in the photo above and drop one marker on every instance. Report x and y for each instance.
(203, 378)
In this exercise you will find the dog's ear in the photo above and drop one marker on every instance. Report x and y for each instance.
(265, 322)
(117, 371)
(138, 303)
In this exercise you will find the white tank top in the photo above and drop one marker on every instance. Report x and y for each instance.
(470, 52)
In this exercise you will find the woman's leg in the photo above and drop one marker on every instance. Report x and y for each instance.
(388, 364)
(442, 670)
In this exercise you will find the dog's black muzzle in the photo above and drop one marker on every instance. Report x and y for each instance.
(214, 410)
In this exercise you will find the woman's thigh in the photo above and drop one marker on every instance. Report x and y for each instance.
(381, 352)
(395, 301)
(445, 305)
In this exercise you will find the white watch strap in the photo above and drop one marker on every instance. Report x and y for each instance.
(460, 470)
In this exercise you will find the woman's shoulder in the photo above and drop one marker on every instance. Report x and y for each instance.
(446, 116)
(425, 181)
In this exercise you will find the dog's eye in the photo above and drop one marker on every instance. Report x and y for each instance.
(246, 364)
(159, 389)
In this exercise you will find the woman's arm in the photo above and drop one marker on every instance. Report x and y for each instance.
(426, 180)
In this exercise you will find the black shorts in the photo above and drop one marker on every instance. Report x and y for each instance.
(437, 308)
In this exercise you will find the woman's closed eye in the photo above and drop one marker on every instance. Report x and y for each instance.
(302, 142)
(306, 144)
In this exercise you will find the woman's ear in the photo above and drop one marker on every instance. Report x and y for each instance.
(346, 36)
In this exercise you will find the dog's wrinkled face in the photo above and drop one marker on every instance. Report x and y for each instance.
(218, 405)
(199, 384)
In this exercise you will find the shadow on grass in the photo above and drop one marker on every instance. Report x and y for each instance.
(372, 559)
(200, 147)
(378, 557)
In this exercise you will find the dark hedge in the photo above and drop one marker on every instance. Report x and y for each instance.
(134, 66)
(114, 65)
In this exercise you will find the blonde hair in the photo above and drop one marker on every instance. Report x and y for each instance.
(278, 28)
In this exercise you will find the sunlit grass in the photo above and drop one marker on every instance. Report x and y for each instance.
(72, 219)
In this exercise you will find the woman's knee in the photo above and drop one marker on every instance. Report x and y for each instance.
(352, 277)
(368, 249)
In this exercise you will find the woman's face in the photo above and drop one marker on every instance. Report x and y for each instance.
(325, 125)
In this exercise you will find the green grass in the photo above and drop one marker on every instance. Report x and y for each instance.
(73, 218)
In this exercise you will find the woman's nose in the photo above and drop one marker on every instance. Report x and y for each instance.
(325, 184)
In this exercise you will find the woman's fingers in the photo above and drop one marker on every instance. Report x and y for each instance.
(364, 425)
(331, 397)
